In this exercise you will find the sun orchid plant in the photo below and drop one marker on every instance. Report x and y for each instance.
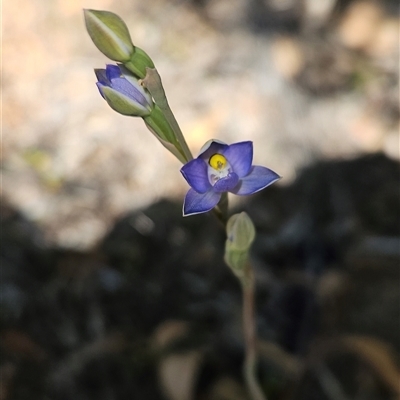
(133, 87)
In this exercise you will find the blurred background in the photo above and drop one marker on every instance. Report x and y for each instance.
(107, 293)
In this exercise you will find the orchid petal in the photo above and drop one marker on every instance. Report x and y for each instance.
(102, 76)
(212, 147)
(258, 179)
(197, 203)
(195, 172)
(100, 86)
(113, 71)
(207, 144)
(123, 103)
(226, 184)
(122, 86)
(240, 157)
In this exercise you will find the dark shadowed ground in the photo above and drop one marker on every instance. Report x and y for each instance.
(154, 311)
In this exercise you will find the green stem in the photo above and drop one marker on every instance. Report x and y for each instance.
(152, 82)
(240, 235)
(250, 336)
(221, 210)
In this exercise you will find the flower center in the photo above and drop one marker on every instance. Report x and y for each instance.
(218, 168)
(218, 162)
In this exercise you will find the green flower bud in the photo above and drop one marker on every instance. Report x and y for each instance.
(110, 34)
(240, 231)
(240, 235)
(138, 62)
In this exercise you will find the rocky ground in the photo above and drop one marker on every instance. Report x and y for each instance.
(108, 293)
(302, 83)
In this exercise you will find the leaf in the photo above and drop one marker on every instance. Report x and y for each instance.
(378, 356)
(168, 145)
(177, 372)
(273, 352)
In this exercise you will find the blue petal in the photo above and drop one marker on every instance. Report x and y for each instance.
(226, 184)
(113, 71)
(102, 77)
(122, 86)
(240, 156)
(195, 172)
(197, 203)
(100, 86)
(210, 148)
(258, 179)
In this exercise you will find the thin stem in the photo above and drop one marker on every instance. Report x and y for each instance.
(221, 210)
(152, 82)
(250, 336)
(218, 214)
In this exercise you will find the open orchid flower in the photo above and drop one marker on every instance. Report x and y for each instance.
(222, 168)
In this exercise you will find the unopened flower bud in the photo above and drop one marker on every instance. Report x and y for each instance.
(123, 92)
(240, 235)
(110, 34)
(240, 231)
(138, 62)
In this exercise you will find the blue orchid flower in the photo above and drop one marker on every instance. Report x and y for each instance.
(123, 92)
(222, 168)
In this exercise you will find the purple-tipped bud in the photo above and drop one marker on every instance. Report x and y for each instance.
(123, 92)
